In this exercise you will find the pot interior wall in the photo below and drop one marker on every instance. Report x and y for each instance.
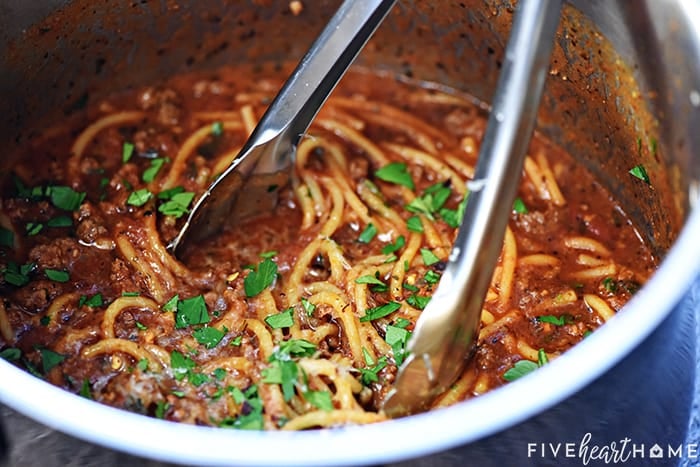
(592, 105)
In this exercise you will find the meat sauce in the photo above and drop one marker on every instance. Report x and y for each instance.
(59, 244)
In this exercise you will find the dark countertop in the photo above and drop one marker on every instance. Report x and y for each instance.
(33, 445)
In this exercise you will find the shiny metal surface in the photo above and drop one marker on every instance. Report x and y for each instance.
(446, 332)
(250, 184)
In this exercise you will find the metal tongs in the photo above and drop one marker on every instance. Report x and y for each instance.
(447, 330)
(264, 164)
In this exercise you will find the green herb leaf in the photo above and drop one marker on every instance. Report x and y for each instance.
(453, 217)
(18, 275)
(219, 374)
(308, 307)
(130, 294)
(431, 277)
(418, 301)
(161, 409)
(429, 258)
(49, 359)
(171, 305)
(320, 399)
(368, 234)
(197, 379)
(178, 205)
(93, 301)
(236, 341)
(555, 320)
(142, 364)
(396, 172)
(284, 319)
(380, 311)
(295, 348)
(640, 172)
(140, 326)
(414, 224)
(610, 284)
(85, 390)
(60, 221)
(397, 338)
(7, 238)
(181, 365)
(369, 279)
(139, 197)
(208, 337)
(191, 311)
(33, 228)
(542, 358)
(217, 128)
(520, 369)
(410, 288)
(64, 197)
(57, 275)
(284, 373)
(519, 206)
(370, 374)
(11, 354)
(156, 164)
(257, 281)
(168, 194)
(127, 151)
(394, 247)
(268, 254)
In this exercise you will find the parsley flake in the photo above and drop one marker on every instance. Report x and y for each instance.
(397, 173)
(64, 197)
(50, 359)
(60, 221)
(429, 258)
(640, 172)
(394, 247)
(139, 197)
(178, 205)
(258, 280)
(171, 305)
(555, 320)
(181, 365)
(217, 128)
(380, 311)
(18, 275)
(209, 337)
(127, 151)
(397, 338)
(150, 173)
(308, 306)
(57, 275)
(368, 234)
(520, 369)
(320, 399)
(191, 311)
(519, 206)
(284, 319)
(10, 354)
(414, 224)
(93, 301)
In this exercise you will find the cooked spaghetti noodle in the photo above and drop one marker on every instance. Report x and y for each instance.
(298, 318)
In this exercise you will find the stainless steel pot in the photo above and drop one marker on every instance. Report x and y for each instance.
(623, 74)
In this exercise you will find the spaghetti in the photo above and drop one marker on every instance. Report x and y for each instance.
(298, 318)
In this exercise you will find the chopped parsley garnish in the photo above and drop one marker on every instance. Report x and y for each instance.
(640, 172)
(397, 338)
(268, 254)
(258, 280)
(283, 370)
(209, 337)
(130, 294)
(414, 224)
(7, 238)
(191, 311)
(410, 288)
(520, 369)
(168, 194)
(60, 221)
(418, 301)
(429, 258)
(396, 172)
(370, 373)
(57, 275)
(308, 307)
(542, 359)
(161, 408)
(33, 228)
(49, 359)
(150, 173)
(142, 364)
(127, 151)
(380, 311)
(18, 275)
(219, 374)
(297, 348)
(394, 247)
(432, 277)
(181, 365)
(284, 319)
(178, 205)
(217, 128)
(610, 284)
(64, 197)
(431, 201)
(369, 279)
(252, 420)
(519, 206)
(93, 301)
(139, 197)
(10, 354)
(368, 234)
(236, 341)
(555, 320)
(320, 399)
(453, 217)
(85, 390)
(140, 326)
(171, 305)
